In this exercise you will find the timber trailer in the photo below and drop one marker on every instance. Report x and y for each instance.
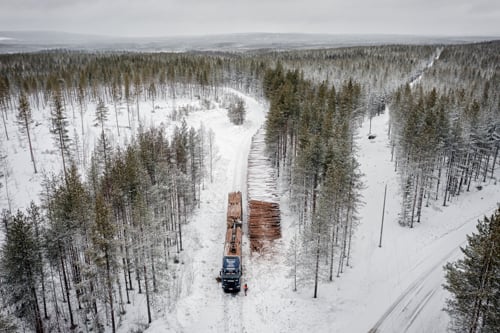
(231, 262)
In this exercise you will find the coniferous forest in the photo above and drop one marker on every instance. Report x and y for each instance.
(111, 223)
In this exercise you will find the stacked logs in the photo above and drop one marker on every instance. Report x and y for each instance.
(264, 211)
(263, 223)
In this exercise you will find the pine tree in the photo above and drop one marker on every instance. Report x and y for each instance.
(25, 120)
(20, 270)
(60, 128)
(474, 281)
(6, 324)
(35, 217)
(103, 232)
(101, 116)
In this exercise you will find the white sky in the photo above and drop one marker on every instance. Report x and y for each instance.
(198, 17)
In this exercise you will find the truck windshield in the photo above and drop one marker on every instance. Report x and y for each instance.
(231, 264)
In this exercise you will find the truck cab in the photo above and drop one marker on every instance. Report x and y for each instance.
(231, 273)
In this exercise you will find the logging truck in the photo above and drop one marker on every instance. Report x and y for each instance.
(231, 261)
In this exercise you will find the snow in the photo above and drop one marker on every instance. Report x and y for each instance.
(393, 288)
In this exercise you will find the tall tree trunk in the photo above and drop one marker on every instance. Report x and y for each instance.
(110, 291)
(2, 111)
(61, 147)
(153, 271)
(66, 287)
(316, 269)
(29, 142)
(44, 300)
(332, 244)
(414, 200)
(486, 167)
(179, 223)
(36, 309)
(494, 160)
(125, 269)
(116, 117)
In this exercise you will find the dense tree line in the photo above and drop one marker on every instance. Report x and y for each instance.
(81, 77)
(309, 133)
(445, 128)
(378, 69)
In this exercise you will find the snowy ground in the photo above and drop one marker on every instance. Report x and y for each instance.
(395, 288)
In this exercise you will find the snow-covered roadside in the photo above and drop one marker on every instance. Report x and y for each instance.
(406, 272)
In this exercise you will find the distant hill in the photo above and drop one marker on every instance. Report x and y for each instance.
(33, 41)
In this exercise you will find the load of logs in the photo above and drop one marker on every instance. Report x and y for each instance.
(234, 208)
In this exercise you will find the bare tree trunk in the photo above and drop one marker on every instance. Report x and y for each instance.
(316, 269)
(486, 167)
(36, 309)
(66, 288)
(147, 294)
(2, 111)
(332, 247)
(110, 291)
(494, 161)
(179, 222)
(29, 142)
(414, 201)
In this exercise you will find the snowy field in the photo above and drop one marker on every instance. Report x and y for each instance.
(393, 288)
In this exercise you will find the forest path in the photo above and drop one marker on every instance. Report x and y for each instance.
(202, 304)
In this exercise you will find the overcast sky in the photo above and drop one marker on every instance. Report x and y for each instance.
(198, 17)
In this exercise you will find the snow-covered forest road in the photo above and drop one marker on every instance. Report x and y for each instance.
(203, 306)
(425, 297)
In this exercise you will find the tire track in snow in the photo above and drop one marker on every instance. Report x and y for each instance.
(233, 303)
(233, 321)
(408, 306)
(402, 302)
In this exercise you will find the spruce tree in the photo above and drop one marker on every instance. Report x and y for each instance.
(474, 281)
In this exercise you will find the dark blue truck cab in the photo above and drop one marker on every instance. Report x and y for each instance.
(231, 273)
